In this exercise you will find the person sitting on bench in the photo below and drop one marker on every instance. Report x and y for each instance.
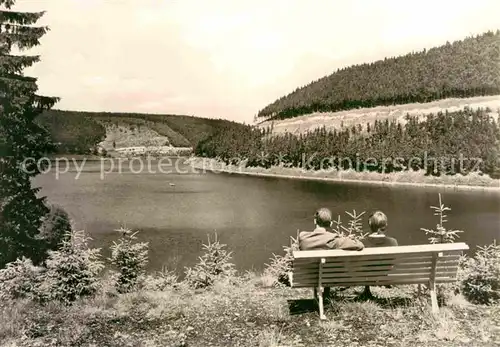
(321, 239)
(377, 238)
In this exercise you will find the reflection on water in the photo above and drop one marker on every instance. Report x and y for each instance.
(254, 216)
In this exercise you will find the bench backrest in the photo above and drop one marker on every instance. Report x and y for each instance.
(377, 266)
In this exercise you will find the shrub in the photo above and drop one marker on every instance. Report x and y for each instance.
(159, 281)
(480, 276)
(73, 271)
(20, 279)
(445, 291)
(130, 258)
(214, 264)
(354, 229)
(441, 234)
(281, 265)
(55, 225)
(70, 273)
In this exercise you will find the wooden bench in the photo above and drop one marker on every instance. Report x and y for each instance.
(420, 264)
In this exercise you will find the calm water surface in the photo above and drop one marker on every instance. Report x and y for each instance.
(254, 216)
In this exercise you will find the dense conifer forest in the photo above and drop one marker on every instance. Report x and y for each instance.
(79, 132)
(465, 68)
(440, 144)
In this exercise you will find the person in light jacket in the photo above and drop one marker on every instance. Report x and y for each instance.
(322, 239)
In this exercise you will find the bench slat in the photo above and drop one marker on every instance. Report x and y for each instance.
(372, 279)
(442, 247)
(379, 267)
(383, 280)
(360, 257)
(399, 267)
(363, 259)
(332, 263)
(376, 263)
(377, 270)
(394, 262)
(379, 275)
(376, 283)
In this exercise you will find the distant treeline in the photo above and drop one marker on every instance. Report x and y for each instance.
(78, 132)
(461, 69)
(72, 132)
(446, 143)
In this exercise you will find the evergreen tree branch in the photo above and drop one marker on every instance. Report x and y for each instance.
(7, 3)
(14, 64)
(22, 18)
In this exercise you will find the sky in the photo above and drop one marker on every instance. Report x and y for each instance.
(227, 59)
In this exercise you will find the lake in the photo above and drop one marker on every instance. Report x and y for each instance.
(254, 216)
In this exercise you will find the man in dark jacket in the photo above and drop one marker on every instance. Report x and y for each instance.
(377, 238)
(321, 239)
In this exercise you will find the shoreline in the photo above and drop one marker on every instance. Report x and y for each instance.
(297, 174)
(90, 157)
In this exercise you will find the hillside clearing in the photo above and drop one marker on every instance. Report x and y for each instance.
(335, 120)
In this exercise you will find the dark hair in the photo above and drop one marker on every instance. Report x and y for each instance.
(377, 222)
(323, 217)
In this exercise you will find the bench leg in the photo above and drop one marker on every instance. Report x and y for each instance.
(320, 302)
(432, 284)
(321, 289)
(434, 302)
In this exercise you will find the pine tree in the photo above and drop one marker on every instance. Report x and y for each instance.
(20, 137)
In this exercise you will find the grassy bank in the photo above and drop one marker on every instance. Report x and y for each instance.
(242, 311)
(472, 181)
(68, 303)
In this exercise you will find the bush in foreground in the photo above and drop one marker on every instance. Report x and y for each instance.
(70, 273)
(20, 279)
(214, 264)
(130, 258)
(276, 272)
(159, 281)
(480, 276)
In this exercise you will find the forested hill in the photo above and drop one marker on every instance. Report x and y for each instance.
(460, 69)
(80, 132)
